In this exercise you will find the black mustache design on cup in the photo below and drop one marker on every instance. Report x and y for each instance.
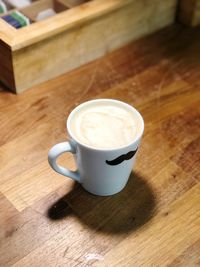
(121, 158)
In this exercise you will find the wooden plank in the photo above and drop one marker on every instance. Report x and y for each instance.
(166, 237)
(190, 257)
(20, 193)
(25, 231)
(78, 245)
(7, 211)
(7, 33)
(189, 12)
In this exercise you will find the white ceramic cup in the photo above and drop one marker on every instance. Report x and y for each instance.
(93, 172)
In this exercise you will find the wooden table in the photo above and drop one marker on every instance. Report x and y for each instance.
(47, 220)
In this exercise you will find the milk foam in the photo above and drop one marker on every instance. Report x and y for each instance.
(105, 125)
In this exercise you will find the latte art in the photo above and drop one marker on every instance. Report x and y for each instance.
(105, 125)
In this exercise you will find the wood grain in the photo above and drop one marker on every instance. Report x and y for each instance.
(148, 248)
(189, 12)
(7, 32)
(6, 65)
(47, 220)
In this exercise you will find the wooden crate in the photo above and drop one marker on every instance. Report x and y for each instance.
(80, 32)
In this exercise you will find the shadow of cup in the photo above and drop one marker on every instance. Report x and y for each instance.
(117, 214)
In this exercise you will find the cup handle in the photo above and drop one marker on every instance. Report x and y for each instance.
(55, 152)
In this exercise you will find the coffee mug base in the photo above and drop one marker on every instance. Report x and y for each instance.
(104, 193)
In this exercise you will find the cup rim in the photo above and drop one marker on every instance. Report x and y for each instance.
(135, 140)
